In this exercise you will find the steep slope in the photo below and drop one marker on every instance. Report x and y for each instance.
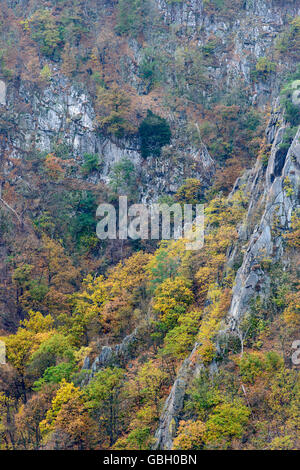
(273, 190)
(141, 344)
(77, 83)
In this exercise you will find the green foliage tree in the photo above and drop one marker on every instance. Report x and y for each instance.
(55, 349)
(263, 68)
(172, 299)
(190, 192)
(154, 132)
(91, 163)
(180, 340)
(132, 16)
(45, 31)
(55, 374)
(227, 421)
(123, 178)
(289, 41)
(113, 110)
(103, 399)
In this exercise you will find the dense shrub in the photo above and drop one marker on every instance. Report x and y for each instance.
(289, 42)
(123, 177)
(264, 67)
(113, 111)
(132, 16)
(155, 132)
(45, 31)
(292, 110)
(91, 163)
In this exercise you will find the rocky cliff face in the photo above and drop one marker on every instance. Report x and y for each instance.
(34, 119)
(233, 38)
(245, 30)
(280, 200)
(110, 356)
(208, 69)
(168, 422)
(274, 193)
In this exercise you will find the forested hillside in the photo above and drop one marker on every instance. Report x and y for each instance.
(143, 344)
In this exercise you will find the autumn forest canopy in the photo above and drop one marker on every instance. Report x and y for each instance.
(170, 102)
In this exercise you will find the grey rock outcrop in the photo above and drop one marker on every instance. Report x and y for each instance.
(275, 192)
(39, 119)
(2, 93)
(173, 406)
(246, 35)
(111, 356)
(280, 198)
